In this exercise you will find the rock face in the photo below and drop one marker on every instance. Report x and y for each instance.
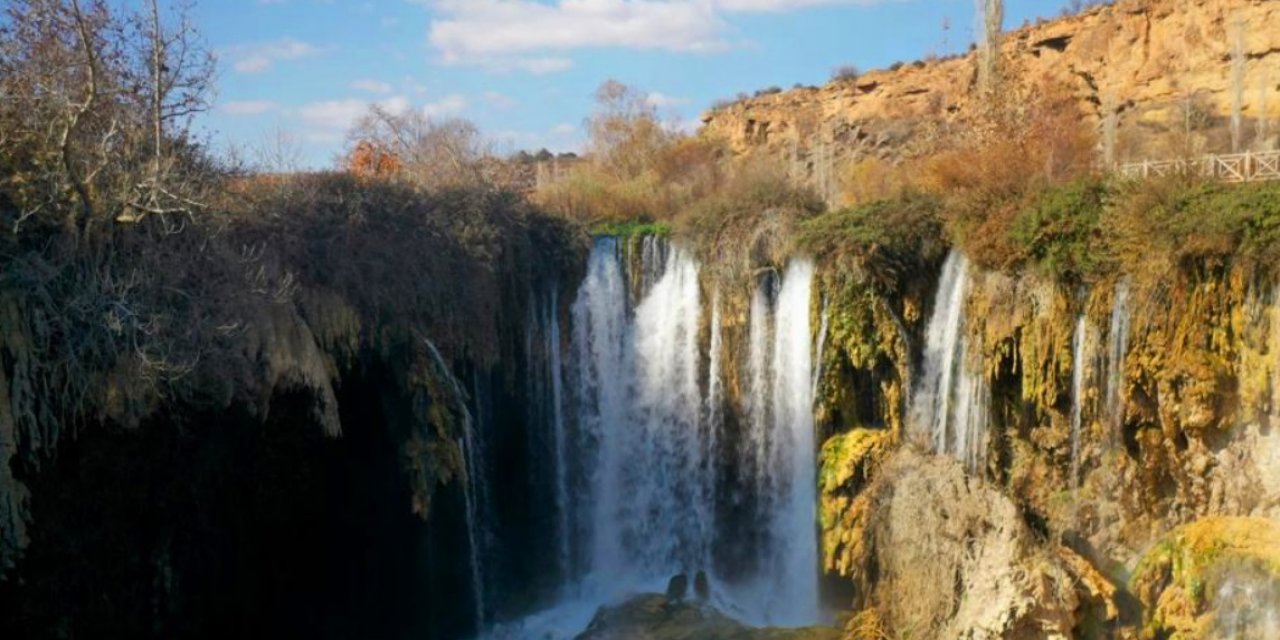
(927, 524)
(1213, 578)
(655, 617)
(1145, 61)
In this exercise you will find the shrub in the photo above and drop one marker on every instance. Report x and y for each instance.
(1185, 223)
(845, 73)
(883, 242)
(1060, 232)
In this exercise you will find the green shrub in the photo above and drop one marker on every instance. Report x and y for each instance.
(883, 242)
(631, 229)
(1060, 230)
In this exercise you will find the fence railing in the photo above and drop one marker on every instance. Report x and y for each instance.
(1250, 166)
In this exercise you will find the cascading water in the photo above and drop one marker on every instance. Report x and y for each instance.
(823, 326)
(1274, 339)
(792, 492)
(1079, 368)
(1117, 346)
(643, 437)
(470, 488)
(950, 402)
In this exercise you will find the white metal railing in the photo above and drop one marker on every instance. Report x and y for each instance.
(1250, 166)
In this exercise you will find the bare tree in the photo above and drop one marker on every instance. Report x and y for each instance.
(278, 152)
(1264, 117)
(96, 108)
(179, 86)
(991, 25)
(434, 154)
(1110, 122)
(626, 133)
(1237, 84)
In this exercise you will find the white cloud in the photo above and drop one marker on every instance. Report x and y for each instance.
(663, 101)
(372, 86)
(509, 34)
(500, 100)
(785, 5)
(537, 35)
(260, 57)
(445, 107)
(249, 107)
(336, 116)
(561, 137)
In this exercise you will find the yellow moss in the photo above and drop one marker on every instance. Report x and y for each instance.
(846, 464)
(1177, 579)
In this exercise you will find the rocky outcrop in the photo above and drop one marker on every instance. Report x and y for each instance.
(1152, 63)
(928, 524)
(846, 466)
(656, 617)
(1213, 578)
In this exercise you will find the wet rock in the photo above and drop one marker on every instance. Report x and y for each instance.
(678, 586)
(1212, 578)
(655, 617)
(702, 586)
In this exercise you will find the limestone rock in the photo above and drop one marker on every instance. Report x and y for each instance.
(1139, 59)
(1213, 578)
(948, 555)
(655, 617)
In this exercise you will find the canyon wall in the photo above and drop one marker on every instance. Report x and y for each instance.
(1151, 64)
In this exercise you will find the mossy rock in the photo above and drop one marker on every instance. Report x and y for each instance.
(655, 617)
(847, 463)
(1216, 577)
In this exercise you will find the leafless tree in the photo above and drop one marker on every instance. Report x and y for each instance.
(95, 108)
(179, 74)
(991, 24)
(432, 153)
(1237, 84)
(278, 152)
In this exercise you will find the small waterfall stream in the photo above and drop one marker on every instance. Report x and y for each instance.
(793, 489)
(951, 399)
(1079, 370)
(1117, 346)
(471, 487)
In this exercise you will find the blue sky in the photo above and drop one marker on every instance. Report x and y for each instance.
(524, 70)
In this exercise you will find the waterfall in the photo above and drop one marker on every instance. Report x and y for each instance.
(778, 450)
(1079, 368)
(794, 516)
(471, 487)
(640, 410)
(823, 327)
(1117, 346)
(644, 406)
(951, 400)
(600, 336)
(713, 414)
(560, 437)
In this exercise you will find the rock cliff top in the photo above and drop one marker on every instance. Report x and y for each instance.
(1148, 61)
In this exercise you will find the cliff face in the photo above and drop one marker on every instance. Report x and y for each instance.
(1149, 62)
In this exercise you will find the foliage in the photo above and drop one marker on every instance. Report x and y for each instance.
(97, 112)
(751, 219)
(1029, 138)
(845, 73)
(408, 144)
(639, 168)
(1186, 223)
(883, 242)
(1060, 231)
(631, 229)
